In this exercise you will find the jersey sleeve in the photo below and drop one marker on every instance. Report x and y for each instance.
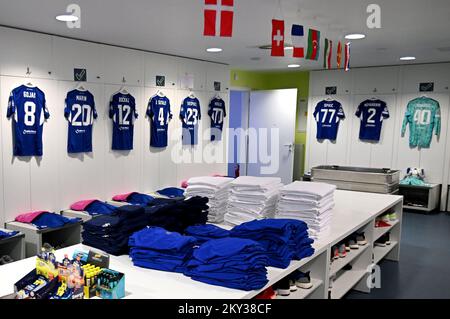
(111, 107)
(210, 108)
(46, 112)
(340, 111)
(182, 111)
(11, 105)
(224, 110)
(437, 119)
(316, 112)
(149, 111)
(199, 111)
(94, 109)
(385, 114)
(407, 118)
(169, 110)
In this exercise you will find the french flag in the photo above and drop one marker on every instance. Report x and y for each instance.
(298, 40)
(219, 16)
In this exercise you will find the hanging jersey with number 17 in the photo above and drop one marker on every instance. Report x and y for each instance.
(28, 106)
(217, 113)
(80, 113)
(423, 116)
(328, 114)
(372, 113)
(190, 114)
(122, 110)
(159, 113)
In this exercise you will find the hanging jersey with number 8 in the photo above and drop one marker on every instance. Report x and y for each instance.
(424, 117)
(28, 106)
(328, 115)
(159, 113)
(80, 112)
(122, 110)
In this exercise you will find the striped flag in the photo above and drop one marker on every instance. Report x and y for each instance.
(339, 55)
(328, 53)
(297, 36)
(347, 57)
(313, 45)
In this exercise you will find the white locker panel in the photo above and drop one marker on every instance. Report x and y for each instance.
(413, 75)
(217, 73)
(122, 63)
(337, 150)
(322, 79)
(70, 54)
(20, 50)
(376, 80)
(193, 68)
(157, 64)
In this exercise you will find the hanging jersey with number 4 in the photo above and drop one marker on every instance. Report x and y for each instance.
(122, 110)
(423, 116)
(190, 114)
(328, 114)
(28, 106)
(159, 113)
(217, 113)
(80, 112)
(372, 113)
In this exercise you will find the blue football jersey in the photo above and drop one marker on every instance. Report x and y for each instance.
(28, 108)
(372, 113)
(190, 114)
(328, 115)
(122, 111)
(217, 113)
(158, 111)
(80, 112)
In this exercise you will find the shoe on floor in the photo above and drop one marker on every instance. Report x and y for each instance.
(303, 280)
(381, 242)
(347, 267)
(385, 218)
(381, 223)
(342, 251)
(352, 244)
(393, 217)
(284, 287)
(293, 287)
(335, 251)
(361, 239)
(388, 238)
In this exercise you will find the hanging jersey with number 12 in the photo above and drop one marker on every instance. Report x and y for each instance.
(122, 110)
(27, 105)
(372, 113)
(80, 113)
(159, 113)
(190, 114)
(328, 114)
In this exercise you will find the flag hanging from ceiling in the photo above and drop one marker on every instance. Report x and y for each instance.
(347, 57)
(339, 55)
(313, 45)
(298, 41)
(328, 52)
(277, 37)
(219, 16)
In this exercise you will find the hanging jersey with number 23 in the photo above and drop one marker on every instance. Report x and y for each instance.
(122, 111)
(80, 113)
(159, 112)
(328, 114)
(28, 108)
(190, 115)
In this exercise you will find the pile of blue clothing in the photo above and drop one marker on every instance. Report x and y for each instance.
(140, 199)
(203, 233)
(110, 233)
(229, 262)
(157, 248)
(4, 235)
(284, 240)
(100, 208)
(172, 192)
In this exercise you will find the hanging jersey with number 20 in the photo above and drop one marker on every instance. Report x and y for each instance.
(122, 110)
(159, 113)
(190, 114)
(423, 116)
(328, 115)
(80, 113)
(28, 106)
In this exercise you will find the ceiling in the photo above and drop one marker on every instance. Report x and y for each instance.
(409, 27)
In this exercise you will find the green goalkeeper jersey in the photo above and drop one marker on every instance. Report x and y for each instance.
(424, 117)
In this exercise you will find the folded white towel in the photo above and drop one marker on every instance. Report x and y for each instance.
(315, 190)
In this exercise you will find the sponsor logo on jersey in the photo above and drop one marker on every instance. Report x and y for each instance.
(124, 128)
(80, 131)
(29, 132)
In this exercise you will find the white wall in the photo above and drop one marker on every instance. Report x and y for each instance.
(58, 179)
(397, 86)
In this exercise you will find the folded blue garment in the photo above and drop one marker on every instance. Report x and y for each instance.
(171, 192)
(52, 220)
(156, 238)
(140, 199)
(206, 232)
(4, 235)
(100, 208)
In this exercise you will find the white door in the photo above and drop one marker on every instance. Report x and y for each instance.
(272, 118)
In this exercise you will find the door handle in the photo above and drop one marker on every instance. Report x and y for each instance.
(290, 146)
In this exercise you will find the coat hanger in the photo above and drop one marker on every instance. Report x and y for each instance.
(160, 93)
(80, 87)
(192, 95)
(28, 74)
(123, 90)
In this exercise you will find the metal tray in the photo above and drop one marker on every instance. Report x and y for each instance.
(362, 187)
(356, 174)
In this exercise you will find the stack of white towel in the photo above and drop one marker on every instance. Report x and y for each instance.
(312, 203)
(216, 189)
(252, 198)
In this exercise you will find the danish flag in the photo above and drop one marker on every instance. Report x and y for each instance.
(219, 14)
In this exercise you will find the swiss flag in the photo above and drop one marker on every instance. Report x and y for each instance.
(277, 37)
(219, 14)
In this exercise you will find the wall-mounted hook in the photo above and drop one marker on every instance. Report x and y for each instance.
(375, 90)
(124, 80)
(98, 77)
(393, 90)
(28, 71)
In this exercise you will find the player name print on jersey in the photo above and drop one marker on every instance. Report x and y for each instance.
(424, 117)
(328, 114)
(371, 113)
(159, 112)
(27, 107)
(217, 113)
(190, 115)
(122, 111)
(80, 112)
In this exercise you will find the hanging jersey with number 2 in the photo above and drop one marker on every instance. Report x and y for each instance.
(217, 113)
(372, 113)
(122, 111)
(190, 115)
(328, 114)
(80, 113)
(424, 117)
(159, 113)
(28, 108)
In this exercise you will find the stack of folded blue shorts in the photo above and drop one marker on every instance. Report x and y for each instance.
(229, 262)
(157, 248)
(9, 234)
(110, 233)
(284, 240)
(203, 233)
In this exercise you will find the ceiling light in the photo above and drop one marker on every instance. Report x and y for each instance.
(289, 48)
(408, 58)
(293, 66)
(214, 50)
(67, 18)
(355, 36)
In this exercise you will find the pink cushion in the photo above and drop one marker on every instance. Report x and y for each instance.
(184, 184)
(121, 198)
(81, 205)
(29, 217)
